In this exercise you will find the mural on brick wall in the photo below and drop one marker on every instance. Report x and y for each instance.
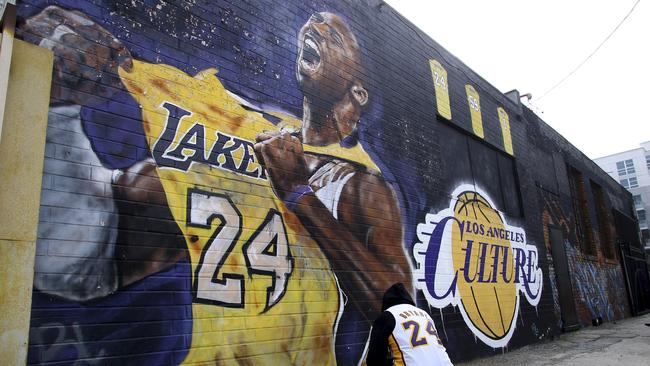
(222, 185)
(468, 256)
(597, 285)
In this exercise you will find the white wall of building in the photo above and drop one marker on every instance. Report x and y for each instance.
(640, 171)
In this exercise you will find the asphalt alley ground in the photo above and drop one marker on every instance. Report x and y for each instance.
(626, 342)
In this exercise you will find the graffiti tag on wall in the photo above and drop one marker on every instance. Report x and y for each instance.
(600, 286)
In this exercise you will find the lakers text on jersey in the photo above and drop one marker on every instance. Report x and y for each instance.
(263, 292)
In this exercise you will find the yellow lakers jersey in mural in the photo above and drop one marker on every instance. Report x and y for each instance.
(263, 292)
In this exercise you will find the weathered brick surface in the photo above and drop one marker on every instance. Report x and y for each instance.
(114, 279)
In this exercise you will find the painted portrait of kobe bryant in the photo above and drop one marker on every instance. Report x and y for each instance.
(221, 188)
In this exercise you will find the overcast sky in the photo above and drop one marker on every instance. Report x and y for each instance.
(530, 45)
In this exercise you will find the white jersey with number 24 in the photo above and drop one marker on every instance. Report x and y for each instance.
(414, 340)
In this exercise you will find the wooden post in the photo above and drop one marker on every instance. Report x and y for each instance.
(22, 151)
(6, 48)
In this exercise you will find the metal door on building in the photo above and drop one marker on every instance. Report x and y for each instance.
(564, 287)
(633, 262)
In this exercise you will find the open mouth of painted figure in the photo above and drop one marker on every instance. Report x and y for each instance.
(309, 55)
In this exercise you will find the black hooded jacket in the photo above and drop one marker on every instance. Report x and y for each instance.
(383, 326)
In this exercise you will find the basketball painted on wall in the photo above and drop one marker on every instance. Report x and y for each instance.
(468, 256)
(481, 265)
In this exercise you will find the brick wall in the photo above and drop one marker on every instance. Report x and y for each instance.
(167, 235)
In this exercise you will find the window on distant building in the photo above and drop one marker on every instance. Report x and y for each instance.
(603, 219)
(638, 202)
(645, 237)
(581, 211)
(642, 218)
(625, 167)
(647, 161)
(628, 183)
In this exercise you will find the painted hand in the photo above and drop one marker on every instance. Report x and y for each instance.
(86, 56)
(282, 156)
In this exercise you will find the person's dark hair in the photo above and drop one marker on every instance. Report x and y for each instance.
(395, 295)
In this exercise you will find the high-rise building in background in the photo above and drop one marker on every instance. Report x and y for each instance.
(631, 169)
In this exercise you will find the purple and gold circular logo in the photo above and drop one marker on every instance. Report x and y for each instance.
(468, 256)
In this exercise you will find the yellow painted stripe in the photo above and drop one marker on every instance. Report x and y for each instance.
(474, 102)
(439, 75)
(505, 129)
